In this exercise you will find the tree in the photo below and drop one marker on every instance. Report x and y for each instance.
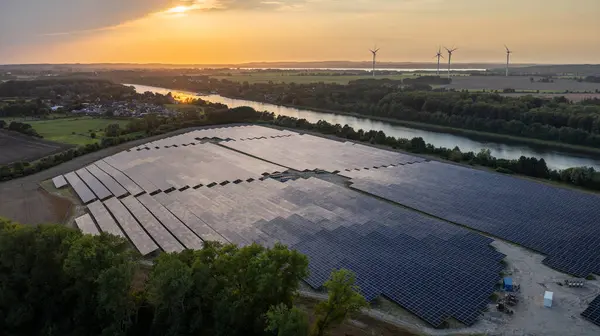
(285, 321)
(113, 130)
(343, 301)
(93, 135)
(2, 124)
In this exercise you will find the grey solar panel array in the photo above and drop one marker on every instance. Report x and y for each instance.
(389, 248)
(121, 178)
(560, 223)
(158, 232)
(104, 219)
(82, 190)
(86, 224)
(140, 239)
(168, 169)
(307, 152)
(223, 133)
(174, 225)
(59, 182)
(98, 188)
(188, 218)
(113, 186)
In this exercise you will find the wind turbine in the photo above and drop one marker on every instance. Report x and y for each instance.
(508, 52)
(374, 52)
(450, 51)
(439, 55)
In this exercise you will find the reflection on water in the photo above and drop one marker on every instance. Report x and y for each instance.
(554, 159)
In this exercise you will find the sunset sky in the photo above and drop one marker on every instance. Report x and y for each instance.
(236, 31)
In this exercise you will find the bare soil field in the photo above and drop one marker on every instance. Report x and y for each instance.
(519, 83)
(18, 147)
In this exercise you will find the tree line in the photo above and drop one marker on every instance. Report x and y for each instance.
(22, 128)
(215, 114)
(556, 119)
(57, 281)
(585, 177)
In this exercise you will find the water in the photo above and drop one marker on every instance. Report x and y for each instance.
(554, 159)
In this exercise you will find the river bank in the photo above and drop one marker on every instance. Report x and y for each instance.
(501, 146)
(475, 135)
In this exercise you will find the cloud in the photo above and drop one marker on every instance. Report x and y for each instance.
(24, 19)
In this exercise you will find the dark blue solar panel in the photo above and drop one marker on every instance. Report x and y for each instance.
(433, 269)
(560, 223)
(592, 313)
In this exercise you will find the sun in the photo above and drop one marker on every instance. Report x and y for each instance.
(178, 10)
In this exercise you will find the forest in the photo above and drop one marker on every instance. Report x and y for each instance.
(57, 281)
(556, 119)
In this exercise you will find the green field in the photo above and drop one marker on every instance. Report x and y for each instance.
(306, 78)
(61, 130)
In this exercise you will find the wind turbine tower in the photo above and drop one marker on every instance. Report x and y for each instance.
(450, 51)
(508, 52)
(374, 52)
(439, 55)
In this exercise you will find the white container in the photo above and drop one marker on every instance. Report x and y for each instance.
(548, 299)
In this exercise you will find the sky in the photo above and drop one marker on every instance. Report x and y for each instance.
(238, 31)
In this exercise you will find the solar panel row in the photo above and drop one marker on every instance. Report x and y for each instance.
(158, 232)
(59, 182)
(311, 152)
(104, 219)
(121, 178)
(86, 224)
(222, 133)
(83, 192)
(592, 313)
(115, 188)
(392, 250)
(560, 223)
(186, 167)
(144, 244)
(98, 188)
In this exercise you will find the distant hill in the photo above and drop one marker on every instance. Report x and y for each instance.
(305, 65)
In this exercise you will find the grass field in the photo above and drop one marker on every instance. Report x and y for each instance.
(306, 78)
(61, 130)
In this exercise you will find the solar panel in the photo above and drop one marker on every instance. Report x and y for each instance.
(84, 193)
(100, 190)
(559, 223)
(433, 269)
(191, 221)
(174, 225)
(104, 219)
(162, 237)
(115, 188)
(86, 224)
(59, 182)
(140, 239)
(592, 313)
(123, 180)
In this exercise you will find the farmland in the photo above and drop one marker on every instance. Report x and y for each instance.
(520, 83)
(17, 147)
(312, 76)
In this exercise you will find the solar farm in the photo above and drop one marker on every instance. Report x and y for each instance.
(415, 232)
